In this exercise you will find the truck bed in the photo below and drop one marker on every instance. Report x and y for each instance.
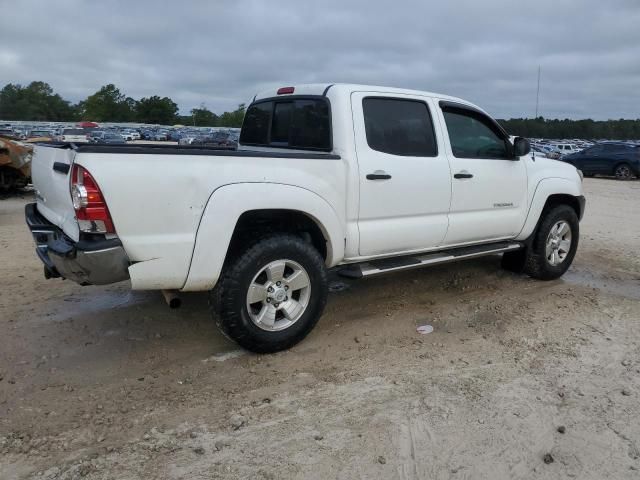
(159, 149)
(157, 195)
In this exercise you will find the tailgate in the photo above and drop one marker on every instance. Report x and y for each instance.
(50, 172)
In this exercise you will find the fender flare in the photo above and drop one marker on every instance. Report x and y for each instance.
(544, 189)
(228, 202)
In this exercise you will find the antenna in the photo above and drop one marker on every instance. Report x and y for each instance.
(538, 93)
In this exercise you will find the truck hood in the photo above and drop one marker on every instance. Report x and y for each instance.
(548, 167)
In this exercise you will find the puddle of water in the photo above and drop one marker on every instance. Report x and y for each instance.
(95, 302)
(629, 288)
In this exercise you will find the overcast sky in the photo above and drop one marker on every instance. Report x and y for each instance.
(222, 52)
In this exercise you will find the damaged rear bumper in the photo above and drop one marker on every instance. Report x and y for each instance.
(85, 262)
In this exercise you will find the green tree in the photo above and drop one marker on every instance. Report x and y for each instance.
(203, 117)
(587, 128)
(108, 105)
(156, 110)
(232, 119)
(36, 101)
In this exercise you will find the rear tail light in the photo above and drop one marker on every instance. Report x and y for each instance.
(91, 209)
(285, 90)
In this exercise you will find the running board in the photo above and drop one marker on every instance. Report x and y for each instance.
(394, 264)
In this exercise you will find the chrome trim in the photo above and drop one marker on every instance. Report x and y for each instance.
(368, 269)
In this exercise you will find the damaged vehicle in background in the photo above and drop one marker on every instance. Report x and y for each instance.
(15, 164)
(364, 180)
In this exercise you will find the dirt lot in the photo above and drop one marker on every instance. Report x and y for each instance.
(101, 382)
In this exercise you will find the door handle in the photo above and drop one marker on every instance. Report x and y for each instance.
(61, 167)
(378, 175)
(463, 174)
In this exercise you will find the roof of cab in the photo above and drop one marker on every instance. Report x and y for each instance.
(348, 88)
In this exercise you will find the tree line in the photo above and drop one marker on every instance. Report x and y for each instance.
(38, 102)
(587, 129)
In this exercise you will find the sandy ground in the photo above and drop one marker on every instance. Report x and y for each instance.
(104, 383)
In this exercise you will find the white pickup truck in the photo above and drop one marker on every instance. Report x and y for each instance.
(366, 180)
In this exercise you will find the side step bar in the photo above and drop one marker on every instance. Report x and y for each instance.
(378, 267)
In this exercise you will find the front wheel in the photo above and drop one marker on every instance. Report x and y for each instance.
(272, 295)
(623, 172)
(554, 244)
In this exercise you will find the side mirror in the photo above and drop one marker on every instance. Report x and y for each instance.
(521, 147)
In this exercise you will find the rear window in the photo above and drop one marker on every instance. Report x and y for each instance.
(399, 127)
(300, 123)
(73, 131)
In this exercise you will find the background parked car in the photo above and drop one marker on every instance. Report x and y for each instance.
(615, 158)
(95, 136)
(538, 151)
(74, 135)
(7, 132)
(40, 135)
(161, 136)
(567, 148)
(111, 138)
(216, 139)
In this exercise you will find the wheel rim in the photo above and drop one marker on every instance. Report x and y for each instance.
(558, 243)
(278, 295)
(622, 171)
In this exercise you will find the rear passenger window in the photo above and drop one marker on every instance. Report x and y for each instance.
(255, 128)
(399, 127)
(300, 123)
(281, 123)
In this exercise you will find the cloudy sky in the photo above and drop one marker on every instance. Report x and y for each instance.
(221, 52)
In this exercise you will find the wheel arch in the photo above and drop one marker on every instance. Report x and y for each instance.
(237, 209)
(563, 199)
(259, 222)
(548, 193)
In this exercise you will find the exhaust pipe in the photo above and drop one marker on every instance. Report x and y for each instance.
(172, 298)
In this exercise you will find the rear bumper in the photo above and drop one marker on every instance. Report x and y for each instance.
(87, 263)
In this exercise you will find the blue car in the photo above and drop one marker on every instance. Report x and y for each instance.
(619, 159)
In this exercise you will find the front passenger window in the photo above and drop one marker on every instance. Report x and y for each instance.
(471, 137)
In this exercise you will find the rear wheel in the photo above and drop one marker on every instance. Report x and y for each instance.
(623, 171)
(554, 244)
(272, 295)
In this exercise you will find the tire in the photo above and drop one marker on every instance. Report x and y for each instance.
(537, 263)
(623, 171)
(255, 326)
